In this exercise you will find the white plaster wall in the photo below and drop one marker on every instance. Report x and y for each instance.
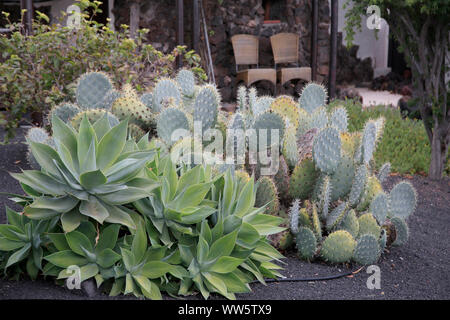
(369, 45)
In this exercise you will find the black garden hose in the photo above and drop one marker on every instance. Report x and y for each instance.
(336, 276)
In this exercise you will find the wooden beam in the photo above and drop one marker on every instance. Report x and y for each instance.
(180, 29)
(315, 25)
(195, 26)
(28, 16)
(135, 12)
(333, 49)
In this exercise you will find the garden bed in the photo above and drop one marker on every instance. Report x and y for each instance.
(417, 270)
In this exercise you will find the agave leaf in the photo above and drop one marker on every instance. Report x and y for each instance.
(65, 259)
(244, 202)
(10, 245)
(193, 195)
(40, 214)
(71, 220)
(107, 258)
(89, 162)
(155, 269)
(118, 215)
(111, 145)
(67, 136)
(94, 209)
(45, 156)
(86, 140)
(92, 179)
(12, 233)
(124, 196)
(77, 240)
(14, 218)
(62, 204)
(108, 238)
(223, 246)
(101, 126)
(226, 264)
(40, 182)
(59, 240)
(19, 255)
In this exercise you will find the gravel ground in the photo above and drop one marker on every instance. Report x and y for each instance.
(418, 270)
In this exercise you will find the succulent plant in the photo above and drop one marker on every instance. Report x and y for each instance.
(169, 120)
(25, 239)
(165, 89)
(64, 111)
(267, 194)
(313, 96)
(338, 247)
(84, 175)
(91, 89)
(367, 250)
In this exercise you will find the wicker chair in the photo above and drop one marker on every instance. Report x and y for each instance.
(246, 49)
(285, 50)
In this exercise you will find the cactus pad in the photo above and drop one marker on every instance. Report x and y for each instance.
(91, 89)
(64, 111)
(384, 172)
(342, 178)
(359, 183)
(290, 152)
(206, 107)
(367, 250)
(368, 225)
(339, 119)
(380, 207)
(165, 89)
(186, 81)
(294, 214)
(147, 100)
(372, 188)
(401, 231)
(286, 107)
(306, 243)
(402, 200)
(336, 216)
(338, 247)
(350, 223)
(269, 121)
(368, 141)
(327, 150)
(266, 193)
(169, 120)
(303, 179)
(313, 96)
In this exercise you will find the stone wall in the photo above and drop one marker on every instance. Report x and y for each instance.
(234, 17)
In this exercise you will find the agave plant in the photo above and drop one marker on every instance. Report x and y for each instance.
(90, 173)
(94, 258)
(25, 239)
(143, 266)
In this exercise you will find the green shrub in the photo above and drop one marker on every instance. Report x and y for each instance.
(38, 71)
(404, 142)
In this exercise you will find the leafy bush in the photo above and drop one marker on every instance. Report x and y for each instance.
(135, 222)
(404, 142)
(37, 72)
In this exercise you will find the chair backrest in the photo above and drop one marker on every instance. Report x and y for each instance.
(245, 48)
(285, 47)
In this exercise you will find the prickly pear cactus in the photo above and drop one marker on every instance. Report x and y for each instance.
(327, 150)
(65, 111)
(91, 89)
(169, 120)
(286, 107)
(313, 96)
(206, 107)
(338, 247)
(38, 135)
(165, 89)
(267, 194)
